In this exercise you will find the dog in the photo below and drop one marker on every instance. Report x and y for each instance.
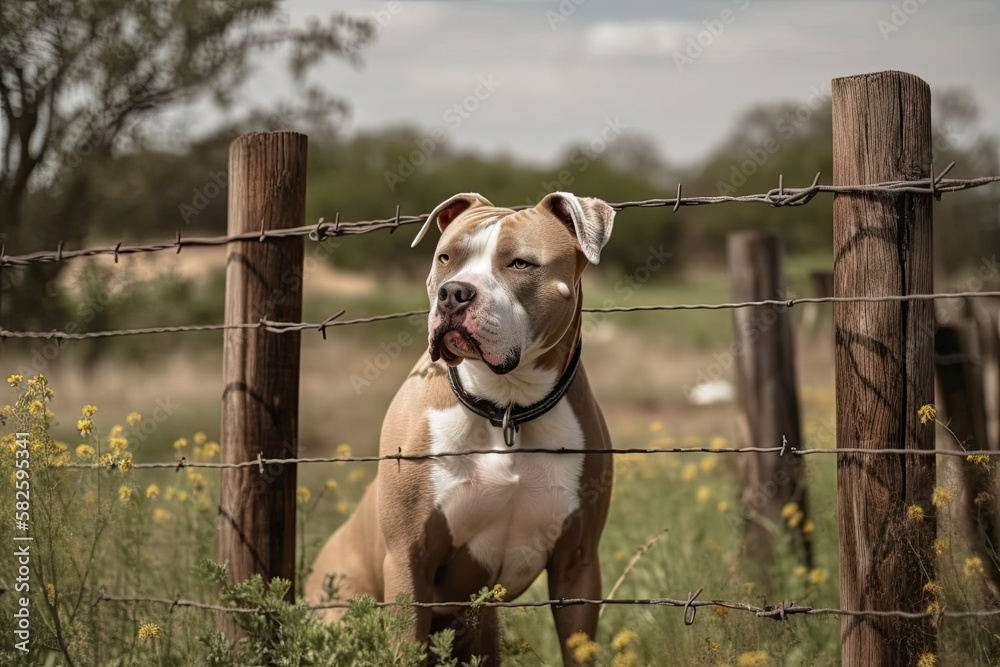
(502, 374)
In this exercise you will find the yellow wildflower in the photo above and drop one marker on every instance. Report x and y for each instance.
(718, 442)
(586, 651)
(106, 459)
(723, 506)
(808, 527)
(934, 588)
(85, 451)
(84, 426)
(356, 475)
(933, 607)
(927, 660)
(751, 658)
(972, 565)
(331, 485)
(304, 494)
(795, 519)
(125, 463)
(712, 647)
(722, 612)
(133, 418)
(161, 515)
(89, 410)
(689, 472)
(708, 463)
(199, 438)
(343, 450)
(149, 630)
(210, 449)
(983, 497)
(655, 425)
(169, 493)
(624, 638)
(182, 496)
(818, 575)
(800, 571)
(117, 444)
(577, 639)
(124, 493)
(703, 494)
(342, 507)
(499, 592)
(979, 460)
(927, 413)
(180, 443)
(915, 513)
(152, 491)
(36, 408)
(789, 510)
(626, 659)
(940, 497)
(50, 593)
(15, 380)
(940, 545)
(196, 478)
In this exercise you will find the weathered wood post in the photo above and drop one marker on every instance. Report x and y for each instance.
(960, 387)
(767, 402)
(260, 399)
(884, 365)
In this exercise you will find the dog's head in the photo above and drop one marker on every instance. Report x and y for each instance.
(504, 285)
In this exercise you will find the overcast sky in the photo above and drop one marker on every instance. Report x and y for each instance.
(677, 72)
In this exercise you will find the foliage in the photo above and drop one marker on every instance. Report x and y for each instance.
(77, 77)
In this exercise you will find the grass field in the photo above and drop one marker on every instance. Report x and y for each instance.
(638, 364)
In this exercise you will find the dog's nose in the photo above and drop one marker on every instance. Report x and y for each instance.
(454, 296)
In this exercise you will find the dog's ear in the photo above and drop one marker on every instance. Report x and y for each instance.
(588, 219)
(446, 212)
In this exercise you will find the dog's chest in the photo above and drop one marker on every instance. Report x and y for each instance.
(506, 509)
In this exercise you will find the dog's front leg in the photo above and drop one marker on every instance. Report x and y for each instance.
(574, 573)
(401, 577)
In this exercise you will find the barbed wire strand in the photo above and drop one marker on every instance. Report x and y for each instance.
(260, 462)
(333, 321)
(778, 611)
(322, 230)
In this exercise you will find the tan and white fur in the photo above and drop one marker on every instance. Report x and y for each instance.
(505, 299)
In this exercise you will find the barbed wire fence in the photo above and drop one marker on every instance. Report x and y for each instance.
(934, 186)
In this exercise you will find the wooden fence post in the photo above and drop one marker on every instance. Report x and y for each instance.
(884, 366)
(960, 385)
(767, 399)
(260, 400)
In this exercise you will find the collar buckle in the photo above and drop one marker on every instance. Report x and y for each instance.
(509, 426)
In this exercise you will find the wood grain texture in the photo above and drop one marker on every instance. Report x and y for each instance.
(884, 365)
(260, 401)
(766, 398)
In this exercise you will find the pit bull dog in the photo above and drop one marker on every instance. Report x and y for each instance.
(502, 374)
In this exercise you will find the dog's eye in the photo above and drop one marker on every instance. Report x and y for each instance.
(443, 258)
(520, 264)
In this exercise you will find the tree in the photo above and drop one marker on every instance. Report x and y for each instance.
(77, 77)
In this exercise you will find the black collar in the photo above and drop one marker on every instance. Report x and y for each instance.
(510, 417)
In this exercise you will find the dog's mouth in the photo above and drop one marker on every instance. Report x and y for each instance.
(455, 345)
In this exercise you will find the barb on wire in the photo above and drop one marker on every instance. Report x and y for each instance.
(332, 321)
(776, 197)
(779, 611)
(260, 461)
